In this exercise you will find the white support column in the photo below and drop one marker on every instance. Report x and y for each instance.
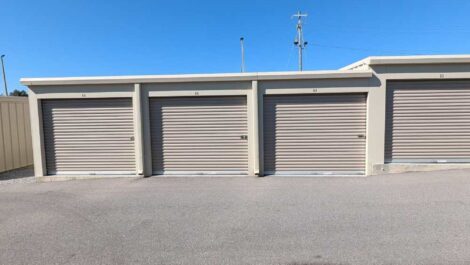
(147, 149)
(251, 135)
(138, 131)
(255, 123)
(260, 101)
(375, 145)
(39, 156)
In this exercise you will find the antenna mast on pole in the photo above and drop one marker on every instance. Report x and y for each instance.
(242, 66)
(299, 39)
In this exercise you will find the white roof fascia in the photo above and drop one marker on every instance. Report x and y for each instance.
(420, 59)
(194, 78)
(403, 60)
(356, 65)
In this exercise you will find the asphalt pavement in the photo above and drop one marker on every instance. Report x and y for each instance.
(413, 218)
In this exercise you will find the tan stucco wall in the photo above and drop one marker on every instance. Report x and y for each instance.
(254, 88)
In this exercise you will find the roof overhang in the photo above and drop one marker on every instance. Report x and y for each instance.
(406, 60)
(429, 59)
(103, 80)
(359, 69)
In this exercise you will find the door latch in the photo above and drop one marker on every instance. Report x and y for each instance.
(244, 137)
(361, 136)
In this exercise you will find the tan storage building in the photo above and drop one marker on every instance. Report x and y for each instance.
(381, 114)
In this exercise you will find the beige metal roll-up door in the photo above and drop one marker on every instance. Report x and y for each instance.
(315, 134)
(428, 122)
(88, 136)
(199, 135)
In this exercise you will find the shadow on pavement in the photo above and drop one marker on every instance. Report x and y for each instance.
(18, 173)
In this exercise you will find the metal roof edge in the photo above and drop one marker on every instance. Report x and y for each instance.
(194, 78)
(357, 64)
(410, 59)
(336, 74)
(419, 59)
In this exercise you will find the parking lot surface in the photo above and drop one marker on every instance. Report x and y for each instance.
(413, 218)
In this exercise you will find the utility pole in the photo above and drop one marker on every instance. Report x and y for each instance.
(4, 76)
(242, 67)
(299, 39)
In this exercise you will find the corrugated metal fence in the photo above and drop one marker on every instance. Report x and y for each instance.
(15, 133)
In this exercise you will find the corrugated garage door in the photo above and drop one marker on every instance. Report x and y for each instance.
(202, 135)
(315, 134)
(89, 136)
(428, 122)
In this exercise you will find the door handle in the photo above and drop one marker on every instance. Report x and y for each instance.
(244, 137)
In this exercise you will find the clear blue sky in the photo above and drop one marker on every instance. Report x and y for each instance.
(92, 37)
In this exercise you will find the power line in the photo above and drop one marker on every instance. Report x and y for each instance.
(373, 49)
(450, 29)
(289, 56)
